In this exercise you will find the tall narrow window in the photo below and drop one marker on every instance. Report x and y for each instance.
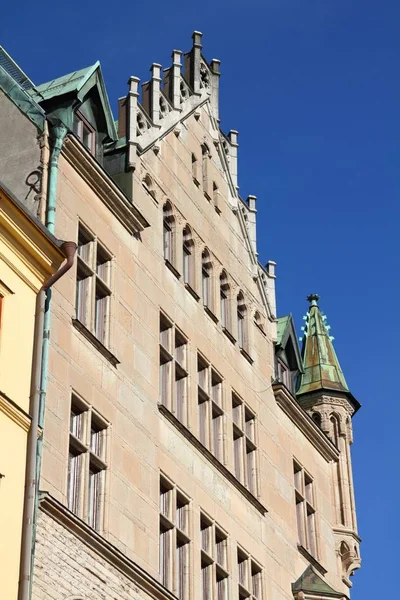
(305, 510)
(210, 411)
(195, 170)
(214, 573)
(85, 132)
(249, 573)
(259, 321)
(149, 186)
(168, 233)
(174, 539)
(241, 322)
(206, 273)
(216, 198)
(206, 156)
(87, 466)
(93, 293)
(224, 300)
(244, 447)
(188, 257)
(173, 369)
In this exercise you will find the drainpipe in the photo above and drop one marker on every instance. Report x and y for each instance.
(31, 455)
(58, 133)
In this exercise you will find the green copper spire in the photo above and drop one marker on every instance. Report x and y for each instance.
(321, 366)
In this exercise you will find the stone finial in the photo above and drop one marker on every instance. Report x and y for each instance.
(192, 63)
(270, 267)
(131, 119)
(313, 299)
(251, 201)
(215, 75)
(172, 80)
(155, 91)
(233, 155)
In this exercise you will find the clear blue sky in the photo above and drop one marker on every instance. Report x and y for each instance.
(313, 88)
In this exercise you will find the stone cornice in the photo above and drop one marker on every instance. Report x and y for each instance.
(14, 412)
(101, 183)
(303, 421)
(93, 540)
(216, 463)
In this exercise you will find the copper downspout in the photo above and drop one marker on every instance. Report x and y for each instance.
(30, 474)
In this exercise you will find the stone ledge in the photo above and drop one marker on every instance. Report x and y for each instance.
(313, 561)
(215, 462)
(95, 342)
(304, 422)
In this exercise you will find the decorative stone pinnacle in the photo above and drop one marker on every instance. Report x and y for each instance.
(313, 299)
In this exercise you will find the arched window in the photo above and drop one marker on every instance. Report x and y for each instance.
(168, 233)
(149, 185)
(205, 155)
(335, 430)
(241, 321)
(188, 256)
(224, 300)
(317, 419)
(195, 169)
(206, 278)
(258, 320)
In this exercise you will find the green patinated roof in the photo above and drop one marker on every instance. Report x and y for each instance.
(320, 363)
(20, 97)
(72, 82)
(312, 583)
(78, 82)
(284, 330)
(281, 325)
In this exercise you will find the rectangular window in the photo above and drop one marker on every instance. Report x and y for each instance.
(244, 447)
(85, 132)
(214, 573)
(305, 509)
(210, 413)
(174, 539)
(249, 575)
(87, 463)
(93, 293)
(173, 369)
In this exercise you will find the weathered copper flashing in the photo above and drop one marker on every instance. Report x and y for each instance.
(322, 371)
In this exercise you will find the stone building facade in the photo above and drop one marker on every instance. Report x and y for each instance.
(177, 459)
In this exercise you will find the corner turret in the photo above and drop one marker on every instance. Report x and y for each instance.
(324, 394)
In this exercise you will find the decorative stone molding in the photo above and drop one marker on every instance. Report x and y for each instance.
(304, 422)
(107, 191)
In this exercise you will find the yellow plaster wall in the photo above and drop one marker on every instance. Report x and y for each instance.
(12, 466)
(17, 326)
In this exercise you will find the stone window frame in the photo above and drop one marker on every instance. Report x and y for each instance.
(207, 280)
(174, 369)
(93, 285)
(306, 509)
(244, 438)
(82, 129)
(250, 576)
(210, 408)
(175, 539)
(88, 448)
(215, 568)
